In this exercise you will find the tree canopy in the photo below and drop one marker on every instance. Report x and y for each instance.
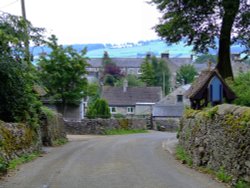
(241, 88)
(201, 23)
(155, 72)
(205, 58)
(111, 72)
(63, 72)
(186, 74)
(18, 101)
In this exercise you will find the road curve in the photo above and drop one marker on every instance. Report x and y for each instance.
(129, 161)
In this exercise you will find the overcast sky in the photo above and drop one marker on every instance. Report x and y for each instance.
(90, 21)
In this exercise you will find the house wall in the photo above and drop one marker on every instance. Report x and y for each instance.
(71, 113)
(143, 109)
(121, 110)
(218, 138)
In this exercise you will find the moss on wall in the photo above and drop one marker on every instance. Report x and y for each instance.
(218, 136)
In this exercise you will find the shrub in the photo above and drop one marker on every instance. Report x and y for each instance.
(241, 88)
(99, 109)
(18, 102)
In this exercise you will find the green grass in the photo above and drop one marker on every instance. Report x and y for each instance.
(182, 155)
(242, 184)
(223, 176)
(23, 159)
(124, 131)
(60, 142)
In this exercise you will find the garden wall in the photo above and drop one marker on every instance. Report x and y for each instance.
(52, 128)
(16, 140)
(166, 124)
(218, 138)
(98, 126)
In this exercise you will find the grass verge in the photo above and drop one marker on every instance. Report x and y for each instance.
(124, 131)
(23, 159)
(182, 155)
(60, 142)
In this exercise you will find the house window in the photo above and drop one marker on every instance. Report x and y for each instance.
(139, 71)
(112, 110)
(130, 110)
(179, 98)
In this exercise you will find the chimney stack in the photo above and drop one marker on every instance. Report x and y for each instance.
(165, 55)
(125, 85)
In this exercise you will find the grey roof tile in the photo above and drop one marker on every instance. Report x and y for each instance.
(117, 97)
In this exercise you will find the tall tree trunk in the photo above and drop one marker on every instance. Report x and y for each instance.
(224, 66)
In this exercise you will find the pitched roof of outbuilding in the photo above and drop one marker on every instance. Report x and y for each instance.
(168, 111)
(200, 84)
(115, 96)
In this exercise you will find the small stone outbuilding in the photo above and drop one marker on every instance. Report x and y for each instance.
(211, 88)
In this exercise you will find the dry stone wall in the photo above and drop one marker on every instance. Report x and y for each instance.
(52, 128)
(218, 138)
(17, 139)
(98, 126)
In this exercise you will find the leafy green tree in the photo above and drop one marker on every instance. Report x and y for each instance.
(132, 81)
(18, 102)
(63, 73)
(162, 74)
(93, 92)
(147, 73)
(200, 23)
(186, 74)
(206, 58)
(14, 31)
(155, 73)
(241, 87)
(99, 109)
(109, 80)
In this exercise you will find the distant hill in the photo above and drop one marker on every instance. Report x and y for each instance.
(132, 50)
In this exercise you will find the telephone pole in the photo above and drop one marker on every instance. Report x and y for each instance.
(23, 9)
(26, 41)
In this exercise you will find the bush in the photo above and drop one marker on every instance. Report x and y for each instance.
(99, 109)
(241, 88)
(18, 102)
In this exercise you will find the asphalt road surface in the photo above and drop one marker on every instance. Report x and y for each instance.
(128, 161)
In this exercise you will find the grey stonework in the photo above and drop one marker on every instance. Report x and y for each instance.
(17, 139)
(166, 124)
(219, 138)
(98, 126)
(52, 128)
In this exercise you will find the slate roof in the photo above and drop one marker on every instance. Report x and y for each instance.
(120, 62)
(115, 96)
(168, 111)
(200, 84)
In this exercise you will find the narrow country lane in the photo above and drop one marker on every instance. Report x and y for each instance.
(128, 161)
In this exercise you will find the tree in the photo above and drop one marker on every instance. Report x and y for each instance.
(241, 88)
(99, 109)
(155, 73)
(13, 35)
(133, 81)
(111, 72)
(206, 58)
(186, 74)
(18, 102)
(63, 73)
(200, 23)
(147, 73)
